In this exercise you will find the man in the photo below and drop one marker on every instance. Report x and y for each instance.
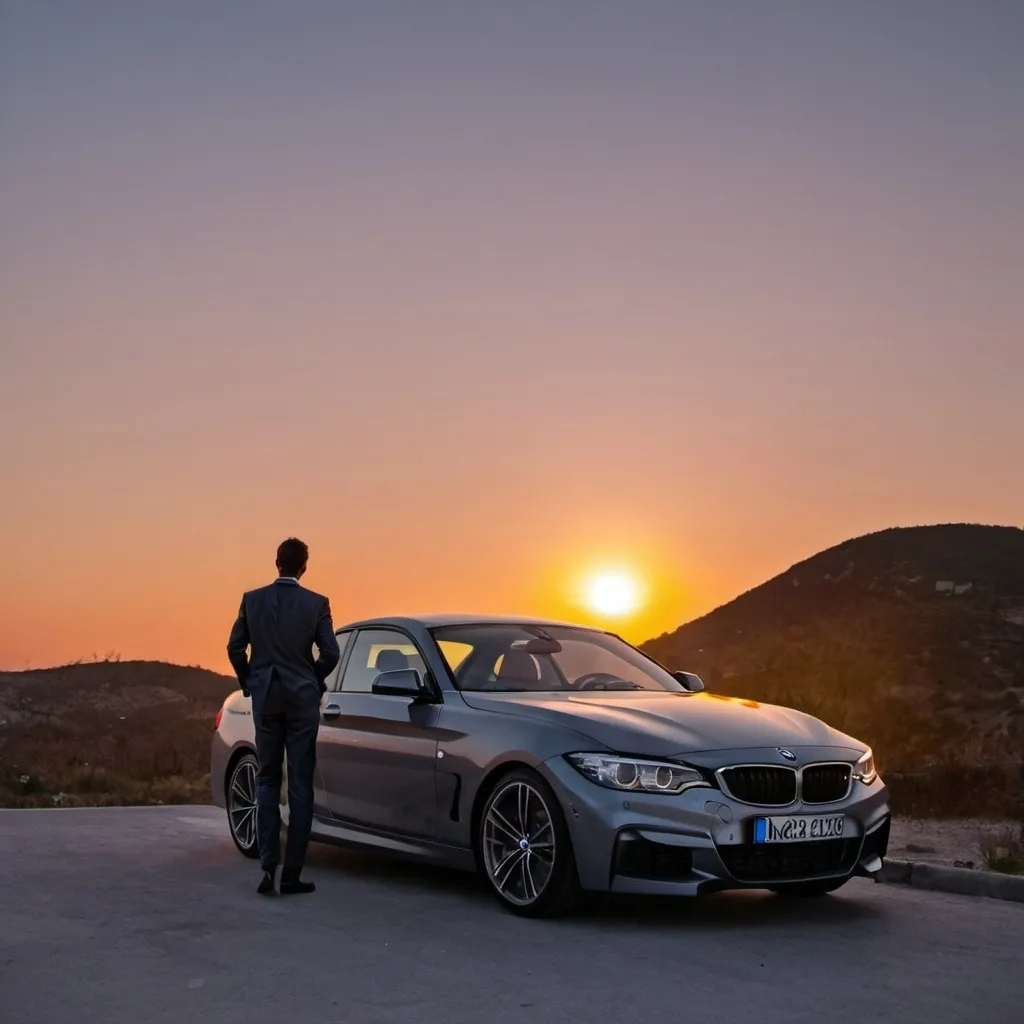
(280, 623)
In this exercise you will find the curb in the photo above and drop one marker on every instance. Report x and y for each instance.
(962, 881)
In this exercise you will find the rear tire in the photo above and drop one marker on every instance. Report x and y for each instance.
(809, 890)
(524, 848)
(240, 800)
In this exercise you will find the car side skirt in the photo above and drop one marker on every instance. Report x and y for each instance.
(338, 833)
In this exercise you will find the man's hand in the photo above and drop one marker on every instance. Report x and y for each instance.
(326, 645)
(238, 643)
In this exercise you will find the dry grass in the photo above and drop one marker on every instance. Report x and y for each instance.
(1002, 849)
(107, 733)
(102, 789)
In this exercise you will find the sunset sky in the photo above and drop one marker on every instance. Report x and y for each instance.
(482, 298)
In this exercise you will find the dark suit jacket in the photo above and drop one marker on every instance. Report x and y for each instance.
(280, 623)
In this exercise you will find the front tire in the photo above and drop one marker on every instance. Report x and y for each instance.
(525, 849)
(240, 800)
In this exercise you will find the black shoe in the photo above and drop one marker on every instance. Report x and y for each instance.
(266, 886)
(291, 885)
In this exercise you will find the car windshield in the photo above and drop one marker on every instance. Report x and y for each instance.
(526, 658)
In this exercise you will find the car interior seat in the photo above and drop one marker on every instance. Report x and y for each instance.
(391, 661)
(520, 670)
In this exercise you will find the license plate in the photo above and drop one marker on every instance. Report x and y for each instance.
(798, 828)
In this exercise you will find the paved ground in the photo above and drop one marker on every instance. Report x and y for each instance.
(149, 915)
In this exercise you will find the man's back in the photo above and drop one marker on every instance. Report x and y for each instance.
(284, 620)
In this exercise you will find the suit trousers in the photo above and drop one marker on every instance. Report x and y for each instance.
(285, 725)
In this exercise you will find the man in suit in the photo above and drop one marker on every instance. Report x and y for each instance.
(280, 623)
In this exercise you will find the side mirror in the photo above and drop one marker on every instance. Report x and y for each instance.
(400, 682)
(690, 680)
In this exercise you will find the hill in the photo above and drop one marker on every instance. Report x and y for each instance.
(107, 733)
(911, 639)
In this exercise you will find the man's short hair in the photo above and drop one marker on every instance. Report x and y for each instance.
(292, 555)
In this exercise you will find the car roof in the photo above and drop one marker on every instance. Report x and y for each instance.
(434, 620)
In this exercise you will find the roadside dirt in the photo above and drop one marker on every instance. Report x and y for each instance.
(953, 843)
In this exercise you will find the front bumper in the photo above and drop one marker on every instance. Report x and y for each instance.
(700, 841)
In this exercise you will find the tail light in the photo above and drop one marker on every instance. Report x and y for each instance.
(220, 715)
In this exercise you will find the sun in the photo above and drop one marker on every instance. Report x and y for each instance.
(613, 593)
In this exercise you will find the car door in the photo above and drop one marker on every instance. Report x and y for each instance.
(377, 753)
(321, 805)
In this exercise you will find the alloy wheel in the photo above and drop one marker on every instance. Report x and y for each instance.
(242, 804)
(519, 843)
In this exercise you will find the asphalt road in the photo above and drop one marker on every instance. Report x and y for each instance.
(150, 915)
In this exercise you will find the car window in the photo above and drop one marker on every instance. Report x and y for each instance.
(375, 651)
(454, 652)
(522, 672)
(577, 658)
(343, 641)
(524, 658)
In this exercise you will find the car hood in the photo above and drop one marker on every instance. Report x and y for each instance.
(662, 723)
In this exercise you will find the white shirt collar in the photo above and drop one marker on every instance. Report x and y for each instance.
(286, 579)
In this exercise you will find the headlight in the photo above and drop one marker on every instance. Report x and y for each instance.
(630, 774)
(864, 769)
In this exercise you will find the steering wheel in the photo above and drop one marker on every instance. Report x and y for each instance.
(595, 680)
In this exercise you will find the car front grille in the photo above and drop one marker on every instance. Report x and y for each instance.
(825, 783)
(763, 784)
(787, 862)
(770, 785)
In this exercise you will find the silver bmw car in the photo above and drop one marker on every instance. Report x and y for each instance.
(557, 759)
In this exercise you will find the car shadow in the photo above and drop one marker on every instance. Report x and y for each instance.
(717, 912)
(730, 910)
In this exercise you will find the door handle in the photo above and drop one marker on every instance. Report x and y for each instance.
(332, 711)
